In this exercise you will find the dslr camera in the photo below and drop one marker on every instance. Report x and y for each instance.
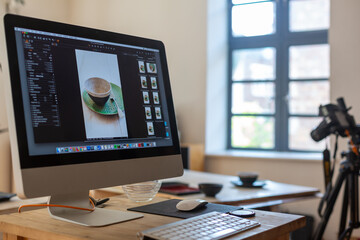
(336, 120)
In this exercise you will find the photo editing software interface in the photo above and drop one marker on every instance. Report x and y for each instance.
(84, 95)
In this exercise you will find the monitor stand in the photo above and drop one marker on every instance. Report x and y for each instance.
(96, 218)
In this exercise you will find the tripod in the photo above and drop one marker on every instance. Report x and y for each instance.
(349, 173)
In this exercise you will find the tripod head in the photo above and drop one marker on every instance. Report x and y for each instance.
(337, 121)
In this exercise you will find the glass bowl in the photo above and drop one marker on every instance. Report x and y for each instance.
(142, 192)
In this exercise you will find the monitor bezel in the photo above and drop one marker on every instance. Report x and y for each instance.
(27, 161)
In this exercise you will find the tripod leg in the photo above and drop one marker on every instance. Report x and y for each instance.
(330, 204)
(354, 198)
(344, 211)
(346, 234)
(352, 190)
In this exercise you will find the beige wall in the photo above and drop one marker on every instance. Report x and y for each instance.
(3, 117)
(182, 25)
(344, 38)
(55, 10)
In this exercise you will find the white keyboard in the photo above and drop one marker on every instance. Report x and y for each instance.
(213, 225)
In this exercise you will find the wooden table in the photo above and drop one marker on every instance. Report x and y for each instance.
(272, 194)
(14, 203)
(38, 224)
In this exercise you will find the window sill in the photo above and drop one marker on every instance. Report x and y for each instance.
(286, 156)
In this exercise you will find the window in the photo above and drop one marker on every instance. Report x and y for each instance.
(278, 72)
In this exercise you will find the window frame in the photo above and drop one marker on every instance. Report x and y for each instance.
(282, 39)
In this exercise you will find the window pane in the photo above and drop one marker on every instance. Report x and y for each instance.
(254, 64)
(309, 15)
(299, 134)
(254, 19)
(252, 132)
(306, 97)
(253, 98)
(309, 61)
(248, 1)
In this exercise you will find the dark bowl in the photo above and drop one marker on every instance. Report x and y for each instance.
(98, 90)
(210, 189)
(99, 100)
(248, 178)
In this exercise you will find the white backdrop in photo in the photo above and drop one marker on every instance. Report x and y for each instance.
(103, 65)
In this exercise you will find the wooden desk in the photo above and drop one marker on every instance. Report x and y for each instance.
(14, 203)
(230, 194)
(38, 224)
(273, 193)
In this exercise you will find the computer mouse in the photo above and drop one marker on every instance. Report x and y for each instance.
(190, 204)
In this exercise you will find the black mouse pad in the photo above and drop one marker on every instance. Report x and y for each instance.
(168, 208)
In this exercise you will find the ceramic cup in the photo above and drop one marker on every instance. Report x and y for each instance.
(98, 89)
(248, 178)
(210, 189)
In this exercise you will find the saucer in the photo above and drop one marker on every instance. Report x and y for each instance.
(110, 106)
(256, 184)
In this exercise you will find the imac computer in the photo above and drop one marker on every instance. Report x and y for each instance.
(87, 109)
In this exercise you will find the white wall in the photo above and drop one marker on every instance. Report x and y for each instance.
(216, 69)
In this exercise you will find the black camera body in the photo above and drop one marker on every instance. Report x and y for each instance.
(336, 121)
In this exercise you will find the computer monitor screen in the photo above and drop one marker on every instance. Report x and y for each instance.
(89, 108)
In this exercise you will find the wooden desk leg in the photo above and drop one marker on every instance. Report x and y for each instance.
(284, 237)
(7, 236)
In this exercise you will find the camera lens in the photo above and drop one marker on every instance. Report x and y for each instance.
(321, 132)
